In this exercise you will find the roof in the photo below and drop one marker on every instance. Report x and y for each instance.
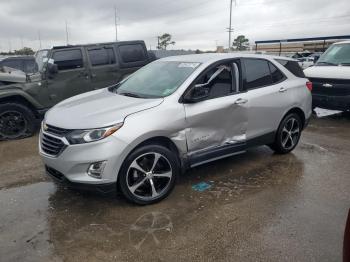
(213, 57)
(95, 44)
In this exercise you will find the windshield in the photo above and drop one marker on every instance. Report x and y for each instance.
(40, 57)
(338, 54)
(158, 79)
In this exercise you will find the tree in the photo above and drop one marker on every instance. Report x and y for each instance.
(240, 43)
(164, 40)
(24, 51)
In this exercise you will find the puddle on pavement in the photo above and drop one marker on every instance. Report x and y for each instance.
(43, 220)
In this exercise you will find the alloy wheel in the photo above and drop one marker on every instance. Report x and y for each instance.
(290, 133)
(12, 124)
(149, 175)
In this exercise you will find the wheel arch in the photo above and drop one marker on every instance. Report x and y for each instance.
(161, 141)
(299, 112)
(16, 98)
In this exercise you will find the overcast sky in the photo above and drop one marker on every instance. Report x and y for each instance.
(193, 24)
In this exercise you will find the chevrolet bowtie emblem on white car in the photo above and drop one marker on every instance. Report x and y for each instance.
(327, 85)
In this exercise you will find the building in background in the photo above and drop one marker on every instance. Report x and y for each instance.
(314, 44)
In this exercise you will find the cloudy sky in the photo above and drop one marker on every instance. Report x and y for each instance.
(194, 24)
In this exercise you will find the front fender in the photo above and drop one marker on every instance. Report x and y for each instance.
(15, 90)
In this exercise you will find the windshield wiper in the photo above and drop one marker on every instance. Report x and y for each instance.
(326, 63)
(129, 94)
(344, 64)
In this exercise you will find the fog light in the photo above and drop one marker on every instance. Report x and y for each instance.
(96, 169)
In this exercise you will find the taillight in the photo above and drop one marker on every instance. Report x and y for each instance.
(309, 85)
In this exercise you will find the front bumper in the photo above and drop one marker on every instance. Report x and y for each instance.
(341, 103)
(73, 162)
(61, 179)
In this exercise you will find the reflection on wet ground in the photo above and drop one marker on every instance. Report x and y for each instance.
(260, 207)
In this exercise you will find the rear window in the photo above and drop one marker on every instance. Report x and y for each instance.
(101, 56)
(132, 53)
(292, 67)
(68, 59)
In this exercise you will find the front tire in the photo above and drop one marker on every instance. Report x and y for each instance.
(288, 134)
(148, 174)
(16, 121)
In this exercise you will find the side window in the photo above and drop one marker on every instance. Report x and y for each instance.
(292, 67)
(132, 53)
(220, 81)
(257, 73)
(277, 75)
(68, 59)
(101, 56)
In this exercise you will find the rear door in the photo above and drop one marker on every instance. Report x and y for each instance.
(72, 77)
(103, 66)
(267, 94)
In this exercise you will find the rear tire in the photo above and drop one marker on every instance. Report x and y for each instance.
(148, 174)
(288, 134)
(16, 121)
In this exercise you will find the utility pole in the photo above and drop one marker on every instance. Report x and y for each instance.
(39, 37)
(230, 29)
(116, 23)
(158, 38)
(67, 40)
(10, 48)
(22, 42)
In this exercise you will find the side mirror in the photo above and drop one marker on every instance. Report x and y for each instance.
(197, 93)
(52, 69)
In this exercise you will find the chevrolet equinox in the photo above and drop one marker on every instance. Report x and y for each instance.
(175, 113)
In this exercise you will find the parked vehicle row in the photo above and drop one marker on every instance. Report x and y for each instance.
(67, 71)
(173, 114)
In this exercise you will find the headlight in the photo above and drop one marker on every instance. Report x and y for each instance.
(91, 135)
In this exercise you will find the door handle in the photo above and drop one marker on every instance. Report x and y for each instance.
(84, 74)
(282, 90)
(241, 101)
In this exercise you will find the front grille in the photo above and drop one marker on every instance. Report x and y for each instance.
(51, 145)
(56, 130)
(339, 87)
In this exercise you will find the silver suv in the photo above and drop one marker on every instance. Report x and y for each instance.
(173, 114)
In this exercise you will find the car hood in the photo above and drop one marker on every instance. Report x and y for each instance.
(332, 72)
(96, 109)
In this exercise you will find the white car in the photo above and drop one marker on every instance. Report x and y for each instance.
(173, 114)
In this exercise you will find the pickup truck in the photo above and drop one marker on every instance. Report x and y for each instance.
(330, 78)
(64, 72)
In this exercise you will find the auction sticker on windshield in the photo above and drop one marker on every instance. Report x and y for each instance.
(191, 65)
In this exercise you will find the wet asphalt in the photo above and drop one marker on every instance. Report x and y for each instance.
(260, 207)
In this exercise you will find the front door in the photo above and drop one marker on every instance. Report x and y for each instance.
(72, 77)
(220, 121)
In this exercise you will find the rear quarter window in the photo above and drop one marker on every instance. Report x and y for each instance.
(132, 53)
(292, 66)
